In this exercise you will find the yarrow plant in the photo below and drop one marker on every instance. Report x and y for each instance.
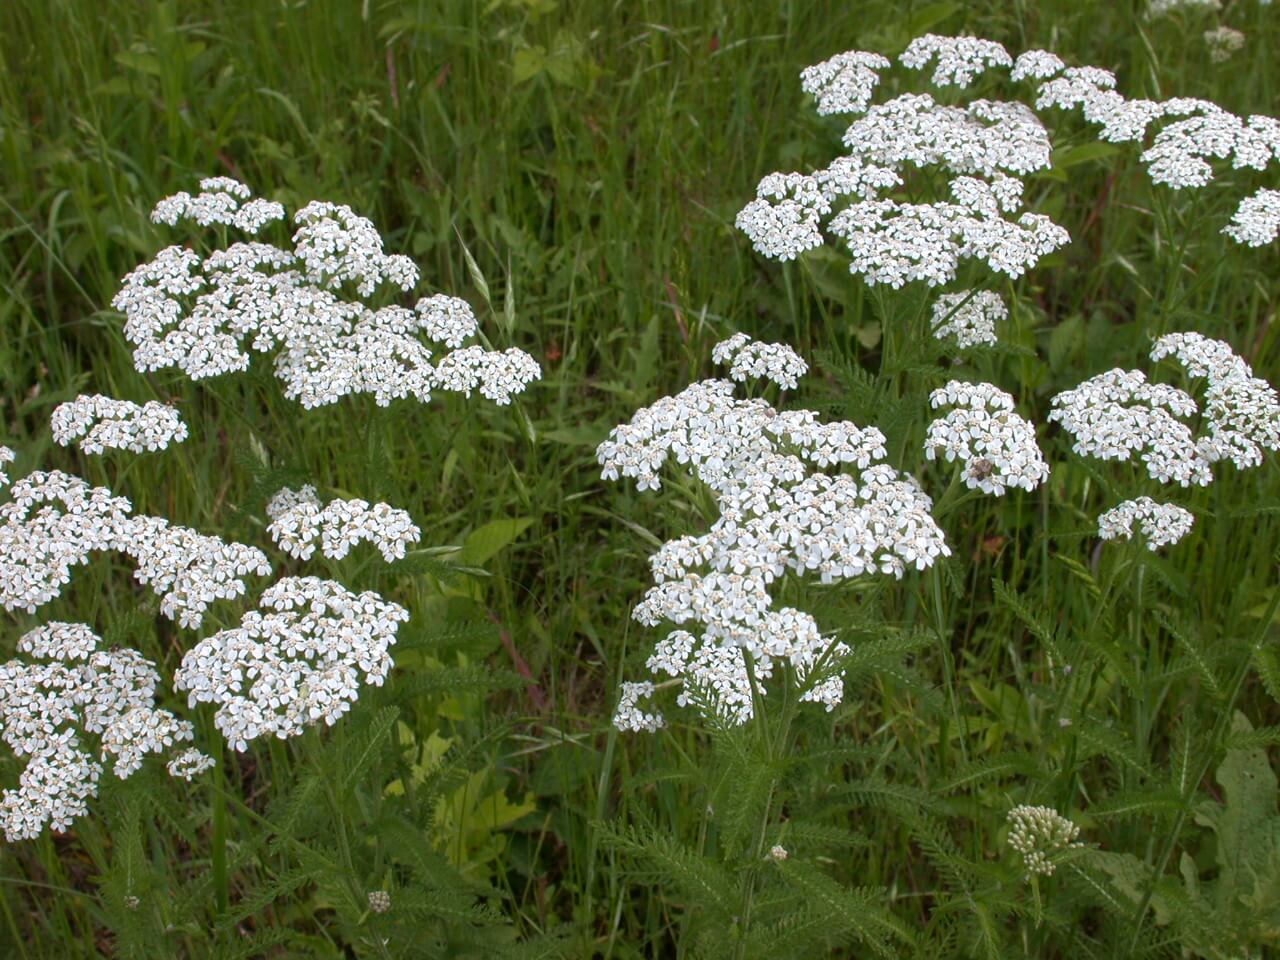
(205, 315)
(780, 511)
(983, 150)
(305, 655)
(298, 521)
(752, 360)
(54, 521)
(47, 710)
(970, 316)
(96, 423)
(300, 660)
(997, 447)
(1118, 414)
(1161, 524)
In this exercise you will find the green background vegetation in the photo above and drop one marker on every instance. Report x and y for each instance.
(591, 156)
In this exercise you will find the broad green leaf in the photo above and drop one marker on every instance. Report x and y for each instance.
(487, 540)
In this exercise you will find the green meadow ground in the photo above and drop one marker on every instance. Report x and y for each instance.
(592, 156)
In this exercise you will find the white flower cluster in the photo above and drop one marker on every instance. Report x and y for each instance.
(1161, 524)
(1241, 411)
(1037, 833)
(1256, 221)
(336, 246)
(204, 316)
(960, 59)
(98, 423)
(1180, 151)
(984, 148)
(298, 520)
(1223, 42)
(7, 456)
(997, 446)
(189, 570)
(219, 202)
(1118, 413)
(628, 717)
(300, 662)
(54, 521)
(46, 709)
(969, 316)
(1036, 65)
(51, 524)
(776, 514)
(750, 359)
(845, 83)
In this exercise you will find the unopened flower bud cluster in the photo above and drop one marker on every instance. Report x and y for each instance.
(299, 660)
(777, 514)
(997, 447)
(299, 521)
(1037, 833)
(96, 423)
(205, 316)
(48, 709)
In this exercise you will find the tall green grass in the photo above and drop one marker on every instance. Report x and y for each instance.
(591, 156)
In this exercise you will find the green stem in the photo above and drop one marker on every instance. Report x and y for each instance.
(218, 853)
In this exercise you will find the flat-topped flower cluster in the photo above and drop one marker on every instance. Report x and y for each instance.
(1120, 415)
(49, 711)
(780, 511)
(982, 151)
(96, 423)
(299, 520)
(300, 660)
(54, 521)
(206, 315)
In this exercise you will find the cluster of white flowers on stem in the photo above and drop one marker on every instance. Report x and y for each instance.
(983, 149)
(1223, 43)
(7, 456)
(298, 521)
(969, 316)
(960, 59)
(1037, 833)
(628, 716)
(205, 315)
(1117, 414)
(845, 83)
(753, 360)
(1180, 151)
(220, 201)
(776, 514)
(1241, 411)
(54, 521)
(299, 660)
(97, 423)
(46, 709)
(997, 447)
(1161, 524)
